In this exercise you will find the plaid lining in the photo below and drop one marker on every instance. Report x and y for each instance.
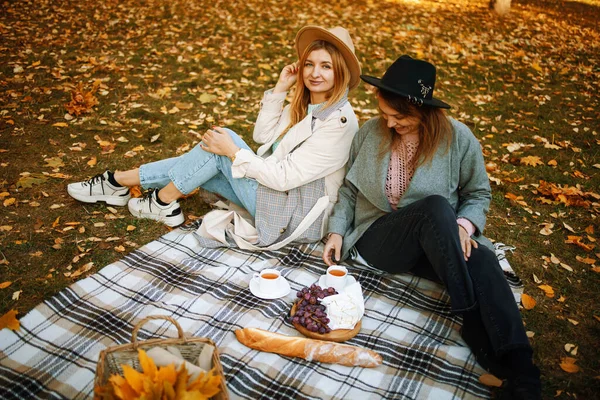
(407, 320)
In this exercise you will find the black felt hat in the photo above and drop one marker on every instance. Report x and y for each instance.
(410, 78)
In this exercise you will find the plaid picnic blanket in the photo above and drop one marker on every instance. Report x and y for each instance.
(407, 320)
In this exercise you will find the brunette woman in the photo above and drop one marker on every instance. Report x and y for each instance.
(415, 198)
(298, 168)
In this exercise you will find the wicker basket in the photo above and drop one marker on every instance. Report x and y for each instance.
(110, 359)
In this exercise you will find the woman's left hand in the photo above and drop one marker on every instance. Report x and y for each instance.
(466, 242)
(218, 141)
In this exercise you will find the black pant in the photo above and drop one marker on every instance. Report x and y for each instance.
(424, 236)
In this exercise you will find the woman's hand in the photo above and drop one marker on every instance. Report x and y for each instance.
(218, 141)
(288, 76)
(466, 242)
(333, 245)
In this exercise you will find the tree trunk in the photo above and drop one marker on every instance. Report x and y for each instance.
(500, 6)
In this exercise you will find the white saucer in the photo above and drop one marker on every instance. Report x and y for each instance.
(349, 281)
(255, 290)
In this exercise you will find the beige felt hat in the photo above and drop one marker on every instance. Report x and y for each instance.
(340, 38)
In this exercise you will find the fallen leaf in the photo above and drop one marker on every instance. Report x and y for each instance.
(573, 321)
(547, 229)
(490, 380)
(567, 227)
(6, 284)
(548, 290)
(567, 267)
(567, 364)
(532, 161)
(10, 321)
(61, 124)
(130, 228)
(92, 161)
(571, 349)
(5, 228)
(527, 301)
(536, 279)
(9, 202)
(530, 334)
(16, 295)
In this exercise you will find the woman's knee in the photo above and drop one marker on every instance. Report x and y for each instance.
(438, 210)
(483, 263)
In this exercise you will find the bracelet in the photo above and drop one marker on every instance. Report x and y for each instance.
(232, 157)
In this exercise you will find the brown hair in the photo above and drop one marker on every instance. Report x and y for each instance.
(341, 77)
(435, 129)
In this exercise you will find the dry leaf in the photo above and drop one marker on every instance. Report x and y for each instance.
(490, 380)
(573, 321)
(547, 229)
(9, 202)
(567, 267)
(527, 301)
(548, 290)
(567, 227)
(16, 295)
(536, 279)
(571, 349)
(10, 321)
(532, 161)
(6, 284)
(567, 364)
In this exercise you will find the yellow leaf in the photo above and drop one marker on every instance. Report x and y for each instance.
(10, 321)
(60, 124)
(133, 378)
(552, 163)
(92, 161)
(122, 388)
(207, 384)
(6, 284)
(532, 161)
(9, 202)
(147, 364)
(568, 365)
(167, 374)
(573, 321)
(548, 290)
(527, 301)
(536, 66)
(130, 228)
(490, 380)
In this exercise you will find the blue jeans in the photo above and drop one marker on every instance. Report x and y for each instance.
(199, 168)
(423, 238)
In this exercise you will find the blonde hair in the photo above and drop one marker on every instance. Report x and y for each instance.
(341, 80)
(435, 129)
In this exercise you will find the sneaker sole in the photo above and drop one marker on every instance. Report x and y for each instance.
(169, 221)
(112, 200)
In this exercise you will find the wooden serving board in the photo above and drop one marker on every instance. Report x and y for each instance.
(338, 335)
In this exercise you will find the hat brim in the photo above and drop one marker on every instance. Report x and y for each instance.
(371, 80)
(309, 34)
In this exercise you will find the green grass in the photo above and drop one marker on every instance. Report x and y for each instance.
(495, 71)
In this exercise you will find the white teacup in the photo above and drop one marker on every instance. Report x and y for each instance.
(269, 281)
(336, 277)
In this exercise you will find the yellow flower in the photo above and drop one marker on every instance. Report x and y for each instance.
(164, 383)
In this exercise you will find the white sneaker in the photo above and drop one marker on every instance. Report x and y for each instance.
(148, 207)
(97, 189)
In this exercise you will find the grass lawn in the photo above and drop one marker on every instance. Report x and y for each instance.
(527, 84)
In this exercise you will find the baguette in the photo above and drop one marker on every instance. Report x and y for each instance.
(309, 349)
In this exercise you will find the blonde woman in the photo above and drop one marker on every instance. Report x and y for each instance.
(415, 199)
(304, 145)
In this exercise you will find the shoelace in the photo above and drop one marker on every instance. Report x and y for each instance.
(93, 180)
(148, 197)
